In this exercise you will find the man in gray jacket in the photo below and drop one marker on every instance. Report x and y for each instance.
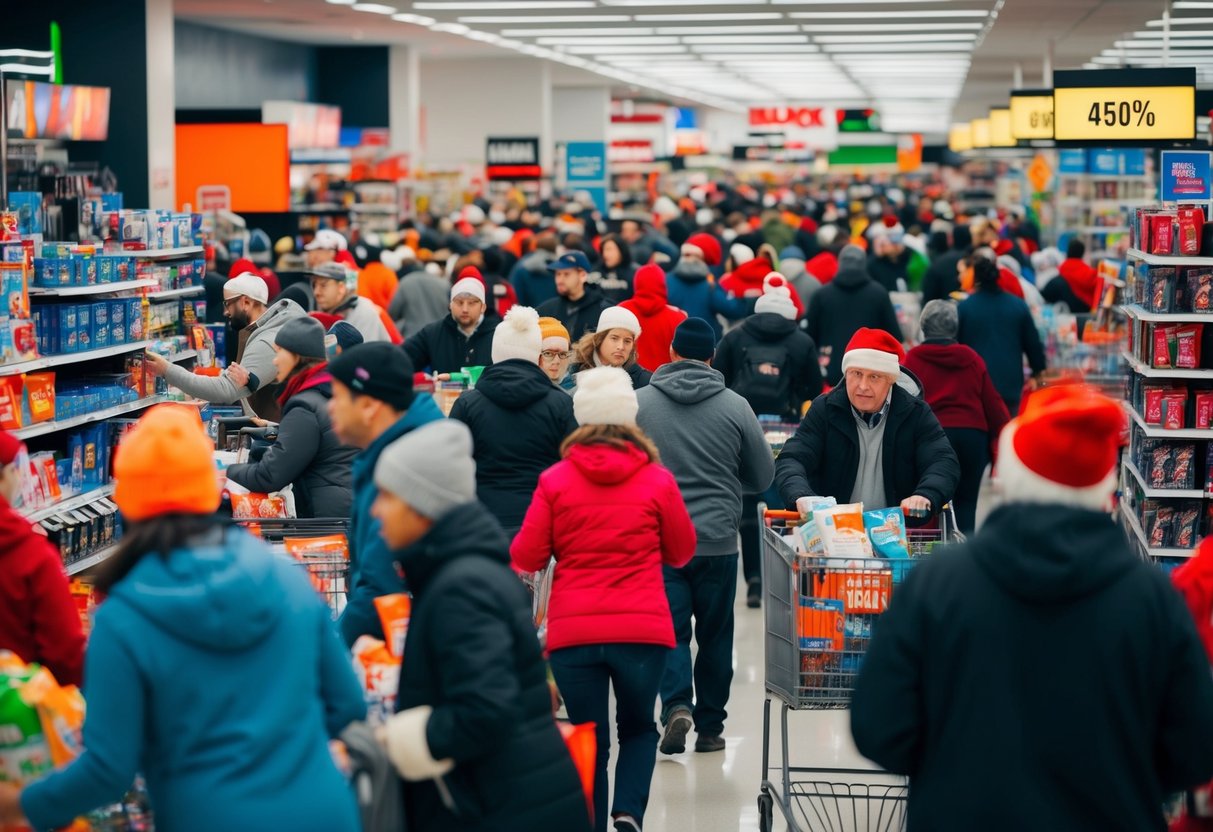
(711, 440)
(245, 299)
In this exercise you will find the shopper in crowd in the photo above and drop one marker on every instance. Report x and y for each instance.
(611, 515)
(377, 283)
(615, 272)
(517, 417)
(212, 669)
(645, 240)
(958, 387)
(853, 301)
(372, 406)
(657, 318)
(256, 324)
(771, 363)
(1079, 277)
(38, 617)
(555, 350)
(692, 288)
(869, 441)
(532, 278)
(747, 281)
(793, 266)
(324, 247)
(943, 277)
(1046, 264)
(725, 456)
(464, 338)
(346, 337)
(1065, 686)
(474, 737)
(824, 264)
(421, 298)
(613, 345)
(578, 305)
(335, 292)
(999, 328)
(889, 262)
(306, 451)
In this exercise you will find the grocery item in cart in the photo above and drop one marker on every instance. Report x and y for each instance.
(258, 506)
(395, 610)
(886, 528)
(810, 534)
(378, 672)
(326, 558)
(842, 531)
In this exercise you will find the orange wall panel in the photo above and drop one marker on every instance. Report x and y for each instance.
(251, 159)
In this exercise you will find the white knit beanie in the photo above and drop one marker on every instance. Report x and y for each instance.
(776, 297)
(604, 396)
(741, 253)
(616, 317)
(518, 336)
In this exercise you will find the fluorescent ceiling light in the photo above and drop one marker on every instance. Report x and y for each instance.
(374, 8)
(787, 28)
(1175, 21)
(858, 28)
(860, 16)
(342, 2)
(450, 28)
(650, 41)
(583, 18)
(1186, 33)
(1185, 5)
(501, 5)
(417, 19)
(683, 2)
(859, 38)
(892, 48)
(713, 52)
(754, 39)
(625, 50)
(1152, 44)
(574, 32)
(708, 16)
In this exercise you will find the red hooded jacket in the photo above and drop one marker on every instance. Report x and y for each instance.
(1082, 279)
(612, 519)
(38, 618)
(957, 386)
(658, 320)
(823, 267)
(746, 281)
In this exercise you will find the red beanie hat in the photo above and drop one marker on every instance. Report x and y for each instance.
(808, 224)
(707, 246)
(10, 446)
(326, 320)
(876, 350)
(241, 266)
(1063, 448)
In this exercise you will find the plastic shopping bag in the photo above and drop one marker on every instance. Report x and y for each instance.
(582, 742)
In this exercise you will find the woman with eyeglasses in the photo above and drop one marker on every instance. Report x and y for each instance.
(517, 417)
(555, 350)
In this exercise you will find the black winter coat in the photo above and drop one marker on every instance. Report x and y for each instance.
(1041, 677)
(578, 317)
(1058, 290)
(444, 348)
(518, 419)
(307, 453)
(846, 304)
(822, 457)
(888, 272)
(639, 375)
(473, 656)
(942, 277)
(760, 340)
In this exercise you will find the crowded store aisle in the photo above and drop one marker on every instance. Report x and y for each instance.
(719, 792)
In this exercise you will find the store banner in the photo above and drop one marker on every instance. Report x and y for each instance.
(512, 158)
(586, 170)
(1102, 107)
(1186, 176)
(631, 150)
(816, 125)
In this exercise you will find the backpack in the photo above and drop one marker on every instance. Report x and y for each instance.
(764, 378)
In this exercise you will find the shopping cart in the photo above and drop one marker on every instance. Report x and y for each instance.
(320, 545)
(820, 613)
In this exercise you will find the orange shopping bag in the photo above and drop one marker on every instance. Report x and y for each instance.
(582, 743)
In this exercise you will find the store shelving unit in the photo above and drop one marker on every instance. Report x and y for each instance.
(95, 289)
(44, 428)
(171, 294)
(48, 361)
(1092, 206)
(91, 561)
(68, 503)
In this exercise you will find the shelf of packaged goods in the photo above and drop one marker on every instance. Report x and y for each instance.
(94, 289)
(1169, 259)
(68, 503)
(171, 294)
(1102, 229)
(1135, 311)
(43, 428)
(1119, 177)
(1174, 493)
(1155, 551)
(1143, 369)
(88, 562)
(185, 355)
(1159, 432)
(162, 253)
(70, 358)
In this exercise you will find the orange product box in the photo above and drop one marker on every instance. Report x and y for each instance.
(821, 624)
(860, 590)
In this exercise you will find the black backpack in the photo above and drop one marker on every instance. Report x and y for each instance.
(764, 377)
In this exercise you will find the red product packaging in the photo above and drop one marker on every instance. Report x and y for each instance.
(1154, 397)
(1161, 238)
(1187, 346)
(1174, 406)
(1204, 409)
(1191, 223)
(1162, 350)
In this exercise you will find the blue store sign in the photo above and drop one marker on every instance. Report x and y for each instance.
(1186, 176)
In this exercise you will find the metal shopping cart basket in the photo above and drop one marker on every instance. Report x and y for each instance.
(820, 613)
(320, 545)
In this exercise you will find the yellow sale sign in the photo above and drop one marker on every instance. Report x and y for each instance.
(1146, 105)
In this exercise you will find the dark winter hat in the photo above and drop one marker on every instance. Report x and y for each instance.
(380, 370)
(347, 335)
(570, 260)
(304, 336)
(694, 338)
(939, 320)
(852, 257)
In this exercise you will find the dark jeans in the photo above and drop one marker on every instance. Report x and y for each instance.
(585, 676)
(751, 531)
(704, 588)
(973, 450)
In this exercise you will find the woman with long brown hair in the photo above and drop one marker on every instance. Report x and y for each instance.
(612, 344)
(611, 516)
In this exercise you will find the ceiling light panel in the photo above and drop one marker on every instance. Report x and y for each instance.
(650, 41)
(603, 31)
(892, 48)
(755, 39)
(916, 14)
(625, 50)
(499, 5)
(543, 18)
(1175, 21)
(784, 29)
(374, 8)
(908, 38)
(416, 19)
(707, 16)
(713, 51)
(860, 28)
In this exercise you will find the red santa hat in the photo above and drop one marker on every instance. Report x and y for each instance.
(10, 446)
(1063, 448)
(876, 350)
(776, 297)
(705, 246)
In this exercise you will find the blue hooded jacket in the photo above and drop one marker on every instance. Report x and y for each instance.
(216, 672)
(372, 564)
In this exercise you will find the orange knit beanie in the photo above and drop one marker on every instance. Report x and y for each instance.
(165, 465)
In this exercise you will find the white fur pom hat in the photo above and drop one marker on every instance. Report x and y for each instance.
(518, 336)
(776, 297)
(604, 396)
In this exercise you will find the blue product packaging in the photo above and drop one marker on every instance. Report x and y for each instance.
(94, 439)
(886, 527)
(69, 328)
(44, 271)
(124, 269)
(101, 324)
(134, 320)
(105, 268)
(117, 311)
(35, 315)
(65, 271)
(88, 271)
(84, 320)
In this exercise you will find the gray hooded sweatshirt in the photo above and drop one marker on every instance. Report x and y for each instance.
(712, 442)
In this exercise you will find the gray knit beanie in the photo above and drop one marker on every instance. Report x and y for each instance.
(430, 468)
(304, 336)
(939, 320)
(852, 257)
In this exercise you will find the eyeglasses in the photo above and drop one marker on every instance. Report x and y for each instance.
(227, 302)
(551, 355)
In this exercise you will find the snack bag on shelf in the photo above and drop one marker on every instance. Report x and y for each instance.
(394, 613)
(378, 672)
